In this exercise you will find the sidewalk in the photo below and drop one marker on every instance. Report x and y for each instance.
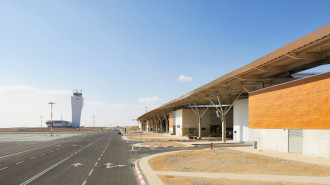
(153, 178)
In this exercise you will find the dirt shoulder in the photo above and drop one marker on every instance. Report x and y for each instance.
(224, 160)
(162, 144)
(152, 136)
(217, 181)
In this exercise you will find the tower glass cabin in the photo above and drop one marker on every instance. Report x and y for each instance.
(77, 103)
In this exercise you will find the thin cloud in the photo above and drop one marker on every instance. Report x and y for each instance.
(150, 100)
(183, 78)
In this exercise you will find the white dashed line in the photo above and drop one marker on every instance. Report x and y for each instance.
(20, 162)
(33, 157)
(55, 165)
(95, 164)
(3, 168)
(42, 154)
(84, 183)
(90, 173)
(50, 152)
(99, 159)
(101, 155)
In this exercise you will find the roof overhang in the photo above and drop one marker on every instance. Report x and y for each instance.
(277, 67)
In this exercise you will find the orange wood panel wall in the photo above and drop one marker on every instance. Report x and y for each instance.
(170, 120)
(300, 106)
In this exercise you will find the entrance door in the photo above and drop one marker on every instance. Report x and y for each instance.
(296, 141)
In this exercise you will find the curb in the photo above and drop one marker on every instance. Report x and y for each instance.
(139, 173)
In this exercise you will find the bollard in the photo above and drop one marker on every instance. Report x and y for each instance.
(211, 146)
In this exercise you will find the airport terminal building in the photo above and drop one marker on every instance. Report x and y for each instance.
(270, 101)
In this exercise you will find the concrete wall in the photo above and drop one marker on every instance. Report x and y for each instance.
(241, 121)
(271, 139)
(178, 122)
(316, 142)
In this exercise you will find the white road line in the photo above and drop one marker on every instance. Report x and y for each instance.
(101, 155)
(90, 173)
(58, 149)
(53, 166)
(42, 154)
(84, 183)
(33, 157)
(20, 162)
(50, 152)
(95, 164)
(31, 149)
(99, 159)
(3, 168)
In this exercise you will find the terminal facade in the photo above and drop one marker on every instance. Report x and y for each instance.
(267, 101)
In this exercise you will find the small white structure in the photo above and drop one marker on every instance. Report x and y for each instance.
(242, 132)
(77, 103)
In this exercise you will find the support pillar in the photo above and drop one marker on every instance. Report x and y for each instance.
(199, 127)
(224, 128)
(167, 123)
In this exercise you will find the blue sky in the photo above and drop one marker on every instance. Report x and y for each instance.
(120, 51)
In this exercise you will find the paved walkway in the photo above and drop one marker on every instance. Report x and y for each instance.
(153, 178)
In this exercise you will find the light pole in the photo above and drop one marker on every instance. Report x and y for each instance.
(51, 117)
(93, 121)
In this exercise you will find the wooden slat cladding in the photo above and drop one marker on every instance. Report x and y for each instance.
(301, 104)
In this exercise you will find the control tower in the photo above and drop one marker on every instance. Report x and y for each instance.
(77, 103)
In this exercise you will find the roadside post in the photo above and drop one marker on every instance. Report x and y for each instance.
(235, 135)
(211, 146)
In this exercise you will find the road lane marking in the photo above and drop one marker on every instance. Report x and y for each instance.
(84, 183)
(20, 162)
(33, 157)
(42, 154)
(90, 173)
(95, 164)
(4, 168)
(76, 164)
(50, 152)
(31, 149)
(55, 165)
(101, 155)
(99, 159)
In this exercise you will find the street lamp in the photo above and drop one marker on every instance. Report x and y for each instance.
(51, 117)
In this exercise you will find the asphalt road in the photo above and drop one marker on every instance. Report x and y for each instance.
(98, 158)
(94, 158)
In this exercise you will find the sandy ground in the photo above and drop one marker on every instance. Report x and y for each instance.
(170, 180)
(152, 136)
(162, 144)
(224, 160)
(130, 128)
